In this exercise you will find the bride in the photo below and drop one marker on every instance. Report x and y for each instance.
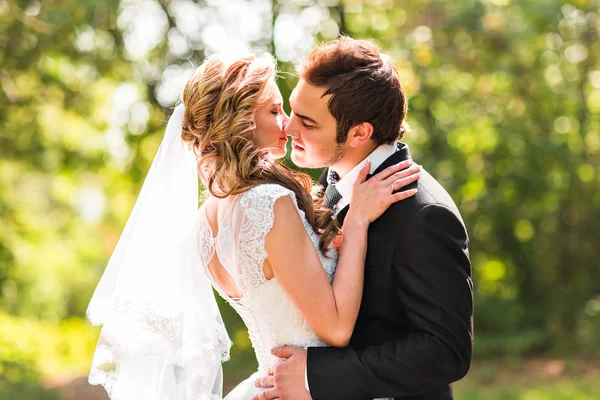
(259, 238)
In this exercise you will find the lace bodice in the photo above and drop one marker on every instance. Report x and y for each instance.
(271, 318)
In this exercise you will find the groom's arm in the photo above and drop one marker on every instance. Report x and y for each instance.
(431, 270)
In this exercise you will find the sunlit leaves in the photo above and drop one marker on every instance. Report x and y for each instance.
(512, 131)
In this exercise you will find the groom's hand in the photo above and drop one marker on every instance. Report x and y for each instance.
(285, 380)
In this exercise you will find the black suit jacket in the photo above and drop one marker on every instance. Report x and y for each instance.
(414, 333)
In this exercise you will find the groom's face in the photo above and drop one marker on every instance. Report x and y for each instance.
(312, 128)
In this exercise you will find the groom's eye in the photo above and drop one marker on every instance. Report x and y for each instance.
(304, 124)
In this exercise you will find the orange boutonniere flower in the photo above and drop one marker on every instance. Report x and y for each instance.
(337, 242)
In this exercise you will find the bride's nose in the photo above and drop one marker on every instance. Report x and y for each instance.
(285, 120)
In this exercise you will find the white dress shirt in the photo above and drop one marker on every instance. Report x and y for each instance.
(345, 185)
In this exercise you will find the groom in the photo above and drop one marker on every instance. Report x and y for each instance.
(414, 332)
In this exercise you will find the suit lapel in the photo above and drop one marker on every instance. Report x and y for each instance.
(339, 218)
(323, 179)
(400, 155)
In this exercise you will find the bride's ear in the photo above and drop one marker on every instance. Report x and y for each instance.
(360, 134)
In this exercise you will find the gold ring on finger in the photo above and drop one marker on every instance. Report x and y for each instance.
(392, 186)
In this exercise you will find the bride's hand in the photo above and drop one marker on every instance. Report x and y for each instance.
(371, 198)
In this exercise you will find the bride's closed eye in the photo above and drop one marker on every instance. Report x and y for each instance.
(277, 110)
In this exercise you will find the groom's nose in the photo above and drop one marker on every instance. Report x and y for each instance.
(291, 127)
(286, 120)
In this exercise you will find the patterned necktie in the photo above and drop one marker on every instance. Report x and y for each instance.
(332, 195)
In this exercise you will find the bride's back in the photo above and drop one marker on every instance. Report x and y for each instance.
(216, 212)
(231, 235)
(220, 213)
(226, 219)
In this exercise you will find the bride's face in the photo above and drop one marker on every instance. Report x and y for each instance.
(270, 123)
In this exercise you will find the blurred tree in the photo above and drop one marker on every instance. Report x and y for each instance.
(59, 63)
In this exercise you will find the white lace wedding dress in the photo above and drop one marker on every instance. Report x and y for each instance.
(239, 246)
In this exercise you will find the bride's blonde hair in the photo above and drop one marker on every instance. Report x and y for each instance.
(220, 101)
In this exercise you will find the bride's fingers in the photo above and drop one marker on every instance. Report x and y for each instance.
(402, 195)
(402, 182)
(414, 169)
(389, 171)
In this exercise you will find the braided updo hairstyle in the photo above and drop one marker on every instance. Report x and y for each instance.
(220, 100)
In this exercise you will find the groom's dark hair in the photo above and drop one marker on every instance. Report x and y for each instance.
(364, 84)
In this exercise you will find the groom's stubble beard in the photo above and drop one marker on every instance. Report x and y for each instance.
(338, 154)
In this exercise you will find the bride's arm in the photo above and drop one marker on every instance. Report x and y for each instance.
(330, 310)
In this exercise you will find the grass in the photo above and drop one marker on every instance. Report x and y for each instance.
(537, 379)
(573, 389)
(510, 378)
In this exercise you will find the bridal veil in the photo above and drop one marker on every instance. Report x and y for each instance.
(162, 334)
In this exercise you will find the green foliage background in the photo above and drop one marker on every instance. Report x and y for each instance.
(504, 109)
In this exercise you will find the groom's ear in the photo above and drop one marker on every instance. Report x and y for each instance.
(360, 134)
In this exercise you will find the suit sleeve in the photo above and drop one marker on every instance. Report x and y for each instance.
(431, 271)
